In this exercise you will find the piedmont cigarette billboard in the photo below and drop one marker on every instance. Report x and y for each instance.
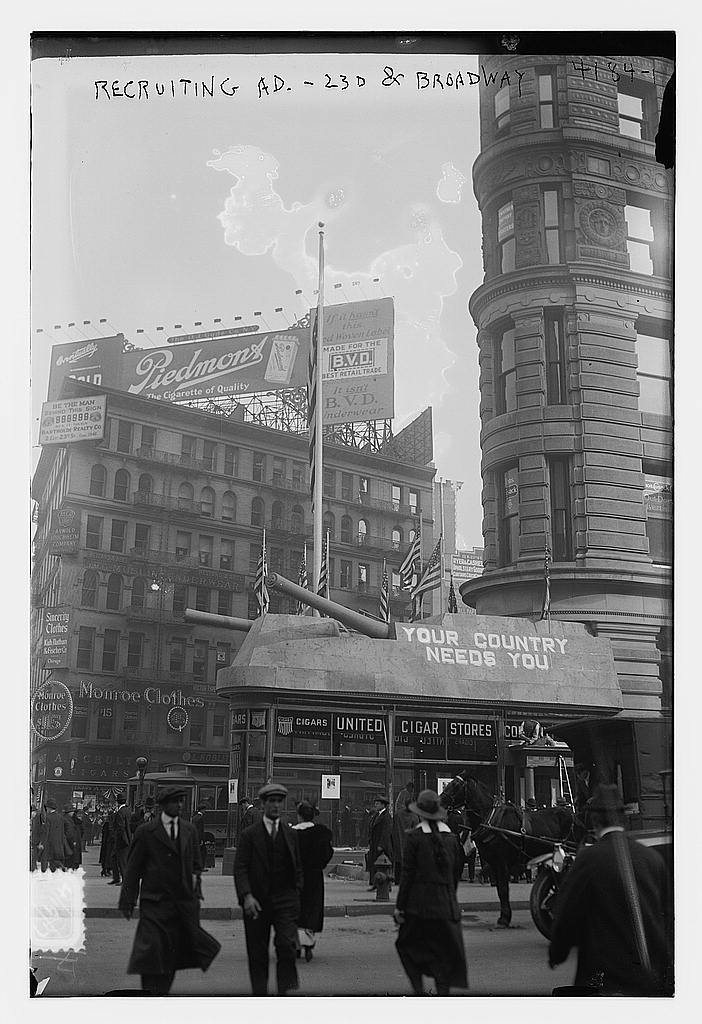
(73, 419)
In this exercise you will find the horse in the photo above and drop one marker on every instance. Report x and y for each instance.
(506, 835)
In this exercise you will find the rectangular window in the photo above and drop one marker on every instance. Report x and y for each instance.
(148, 438)
(205, 550)
(231, 461)
(546, 104)
(254, 552)
(278, 471)
(86, 646)
(658, 503)
(502, 108)
(130, 724)
(556, 379)
(110, 650)
(396, 582)
(639, 239)
(346, 575)
(508, 506)
(654, 367)
(135, 650)
(636, 106)
(200, 652)
(331, 574)
(396, 496)
(209, 454)
(93, 532)
(176, 656)
(276, 560)
(329, 483)
(363, 576)
(561, 513)
(187, 446)
(142, 534)
(259, 466)
(505, 237)
(505, 373)
(180, 598)
(119, 535)
(224, 602)
(202, 599)
(347, 486)
(197, 727)
(105, 723)
(598, 165)
(183, 542)
(124, 436)
(226, 554)
(218, 726)
(414, 502)
(553, 248)
(363, 488)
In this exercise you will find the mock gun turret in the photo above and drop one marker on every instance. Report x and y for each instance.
(223, 621)
(373, 628)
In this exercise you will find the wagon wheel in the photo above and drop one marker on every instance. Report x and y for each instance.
(541, 900)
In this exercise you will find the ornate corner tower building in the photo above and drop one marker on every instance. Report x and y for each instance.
(574, 321)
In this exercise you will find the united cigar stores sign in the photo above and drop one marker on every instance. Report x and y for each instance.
(475, 739)
(308, 724)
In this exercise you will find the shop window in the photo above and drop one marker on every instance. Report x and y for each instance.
(505, 237)
(346, 530)
(86, 647)
(556, 377)
(88, 596)
(546, 90)
(121, 488)
(654, 371)
(207, 501)
(119, 535)
(98, 480)
(508, 512)
(135, 650)
(105, 723)
(231, 461)
(658, 504)
(259, 467)
(200, 659)
(124, 436)
(176, 654)
(113, 600)
(229, 507)
(505, 372)
(561, 511)
(257, 512)
(110, 650)
(93, 532)
(138, 592)
(502, 108)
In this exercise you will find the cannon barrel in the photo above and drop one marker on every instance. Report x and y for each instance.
(223, 621)
(354, 620)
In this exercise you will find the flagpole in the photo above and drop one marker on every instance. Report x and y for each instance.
(319, 472)
(441, 549)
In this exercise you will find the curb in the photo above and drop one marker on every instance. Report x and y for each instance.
(345, 910)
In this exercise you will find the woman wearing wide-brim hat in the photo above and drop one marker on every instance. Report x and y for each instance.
(430, 939)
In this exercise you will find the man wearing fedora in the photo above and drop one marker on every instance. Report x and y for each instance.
(379, 835)
(268, 878)
(164, 859)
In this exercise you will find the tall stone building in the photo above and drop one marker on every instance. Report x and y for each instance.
(574, 320)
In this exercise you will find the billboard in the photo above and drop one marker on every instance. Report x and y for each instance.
(96, 361)
(65, 531)
(73, 419)
(56, 633)
(466, 565)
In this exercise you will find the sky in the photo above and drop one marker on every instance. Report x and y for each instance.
(175, 207)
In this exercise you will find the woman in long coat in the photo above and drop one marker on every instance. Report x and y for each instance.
(316, 850)
(106, 846)
(403, 822)
(430, 940)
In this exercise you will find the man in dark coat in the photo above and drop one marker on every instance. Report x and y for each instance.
(249, 814)
(53, 845)
(121, 840)
(612, 884)
(165, 859)
(74, 851)
(380, 835)
(268, 878)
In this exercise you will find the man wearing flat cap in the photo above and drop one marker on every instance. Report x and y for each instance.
(614, 909)
(268, 878)
(164, 859)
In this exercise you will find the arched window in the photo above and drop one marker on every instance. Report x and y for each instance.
(138, 592)
(185, 495)
(207, 499)
(328, 525)
(146, 483)
(98, 479)
(229, 506)
(396, 538)
(362, 531)
(121, 490)
(412, 535)
(277, 515)
(297, 520)
(114, 592)
(346, 530)
(88, 597)
(258, 511)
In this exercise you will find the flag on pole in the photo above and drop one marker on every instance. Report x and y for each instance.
(416, 609)
(323, 584)
(411, 563)
(302, 580)
(431, 577)
(385, 595)
(260, 588)
(452, 602)
(546, 606)
(312, 405)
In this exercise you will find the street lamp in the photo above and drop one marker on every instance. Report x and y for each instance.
(141, 763)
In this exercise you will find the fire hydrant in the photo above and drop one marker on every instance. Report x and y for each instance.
(382, 878)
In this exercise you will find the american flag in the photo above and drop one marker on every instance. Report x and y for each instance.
(260, 588)
(323, 584)
(431, 577)
(411, 563)
(385, 596)
(312, 406)
(302, 580)
(452, 602)
(546, 606)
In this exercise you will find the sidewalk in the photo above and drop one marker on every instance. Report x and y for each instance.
(343, 896)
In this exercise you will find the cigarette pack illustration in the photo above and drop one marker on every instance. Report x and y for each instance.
(282, 359)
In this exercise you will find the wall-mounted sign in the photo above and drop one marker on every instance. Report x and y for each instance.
(52, 709)
(177, 718)
(455, 738)
(360, 728)
(484, 648)
(257, 719)
(73, 419)
(442, 782)
(331, 787)
(233, 791)
(309, 724)
(56, 632)
(65, 531)
(151, 695)
(465, 565)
